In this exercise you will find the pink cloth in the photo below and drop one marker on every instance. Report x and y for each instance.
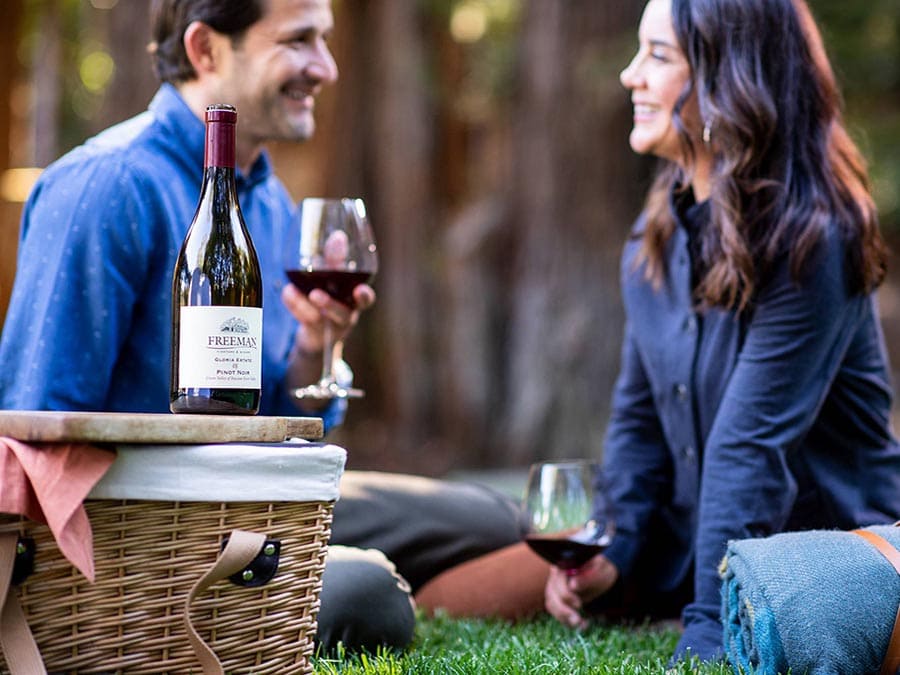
(48, 483)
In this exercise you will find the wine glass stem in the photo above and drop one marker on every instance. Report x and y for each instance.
(328, 345)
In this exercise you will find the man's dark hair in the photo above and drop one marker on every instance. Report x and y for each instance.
(170, 18)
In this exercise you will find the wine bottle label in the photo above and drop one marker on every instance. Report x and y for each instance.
(220, 347)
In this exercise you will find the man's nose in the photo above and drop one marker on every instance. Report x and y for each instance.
(323, 67)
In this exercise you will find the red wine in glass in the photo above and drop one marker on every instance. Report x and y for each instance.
(339, 284)
(567, 553)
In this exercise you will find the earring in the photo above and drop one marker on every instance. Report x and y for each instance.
(707, 132)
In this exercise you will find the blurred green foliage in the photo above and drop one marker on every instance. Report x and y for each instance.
(862, 38)
(85, 67)
(863, 41)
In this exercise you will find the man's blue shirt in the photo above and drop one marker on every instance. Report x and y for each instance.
(89, 321)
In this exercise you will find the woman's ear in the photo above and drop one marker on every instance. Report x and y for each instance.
(202, 44)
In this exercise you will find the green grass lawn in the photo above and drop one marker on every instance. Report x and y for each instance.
(538, 647)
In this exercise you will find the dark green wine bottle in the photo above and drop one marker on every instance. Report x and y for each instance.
(217, 292)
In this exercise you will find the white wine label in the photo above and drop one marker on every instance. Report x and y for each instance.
(220, 348)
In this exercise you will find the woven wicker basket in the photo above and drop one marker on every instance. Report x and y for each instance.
(148, 555)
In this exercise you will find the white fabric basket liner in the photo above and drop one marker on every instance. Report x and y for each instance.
(294, 471)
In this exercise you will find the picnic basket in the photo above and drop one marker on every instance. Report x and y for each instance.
(161, 601)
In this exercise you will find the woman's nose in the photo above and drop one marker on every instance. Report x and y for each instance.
(629, 76)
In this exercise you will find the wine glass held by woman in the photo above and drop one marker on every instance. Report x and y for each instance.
(327, 306)
(570, 520)
(571, 524)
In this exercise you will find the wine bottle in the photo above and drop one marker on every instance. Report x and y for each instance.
(217, 292)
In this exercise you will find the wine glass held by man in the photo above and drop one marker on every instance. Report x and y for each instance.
(327, 321)
(99, 239)
(333, 249)
(753, 395)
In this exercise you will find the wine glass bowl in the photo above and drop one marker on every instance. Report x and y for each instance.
(335, 252)
(568, 512)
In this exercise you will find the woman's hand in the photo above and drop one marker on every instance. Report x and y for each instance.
(566, 594)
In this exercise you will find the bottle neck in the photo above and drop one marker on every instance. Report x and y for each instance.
(219, 150)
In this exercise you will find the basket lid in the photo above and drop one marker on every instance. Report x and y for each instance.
(293, 471)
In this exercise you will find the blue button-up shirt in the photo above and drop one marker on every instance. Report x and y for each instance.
(728, 426)
(89, 322)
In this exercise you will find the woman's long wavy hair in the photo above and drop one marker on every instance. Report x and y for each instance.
(784, 166)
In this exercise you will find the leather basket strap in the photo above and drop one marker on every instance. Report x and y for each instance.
(240, 551)
(891, 661)
(19, 648)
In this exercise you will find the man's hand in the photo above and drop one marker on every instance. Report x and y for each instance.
(566, 594)
(314, 309)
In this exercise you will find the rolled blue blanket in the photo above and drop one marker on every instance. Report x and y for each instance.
(813, 602)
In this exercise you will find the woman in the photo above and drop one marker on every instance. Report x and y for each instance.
(754, 392)
(753, 395)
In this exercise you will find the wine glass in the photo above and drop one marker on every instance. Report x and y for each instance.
(568, 511)
(336, 253)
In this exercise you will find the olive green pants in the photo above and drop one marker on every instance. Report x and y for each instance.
(422, 527)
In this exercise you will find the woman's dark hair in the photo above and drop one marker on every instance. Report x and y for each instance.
(170, 18)
(784, 168)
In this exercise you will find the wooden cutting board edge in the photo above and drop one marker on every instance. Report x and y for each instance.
(93, 427)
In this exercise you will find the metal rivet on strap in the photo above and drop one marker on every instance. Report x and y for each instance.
(20, 548)
(269, 549)
(247, 575)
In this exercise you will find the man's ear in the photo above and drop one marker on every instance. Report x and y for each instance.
(203, 46)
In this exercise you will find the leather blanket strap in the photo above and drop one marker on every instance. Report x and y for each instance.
(891, 662)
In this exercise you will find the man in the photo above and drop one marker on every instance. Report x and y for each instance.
(88, 326)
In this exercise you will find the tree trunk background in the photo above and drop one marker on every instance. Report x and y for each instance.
(374, 140)
(496, 335)
(9, 212)
(47, 58)
(574, 195)
(126, 35)
(495, 338)
(500, 213)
